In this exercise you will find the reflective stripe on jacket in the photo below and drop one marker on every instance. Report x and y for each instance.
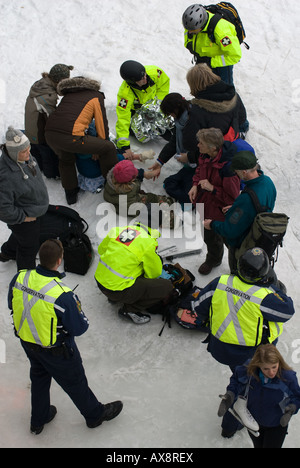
(235, 314)
(34, 307)
(125, 254)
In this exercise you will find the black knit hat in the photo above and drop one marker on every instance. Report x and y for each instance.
(59, 72)
(243, 160)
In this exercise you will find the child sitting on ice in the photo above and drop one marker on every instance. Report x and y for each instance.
(125, 179)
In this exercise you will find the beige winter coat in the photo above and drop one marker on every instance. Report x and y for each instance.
(40, 103)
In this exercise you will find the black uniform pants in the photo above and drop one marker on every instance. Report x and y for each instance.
(64, 365)
(23, 244)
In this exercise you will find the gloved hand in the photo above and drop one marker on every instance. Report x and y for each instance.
(165, 275)
(227, 401)
(288, 413)
(206, 60)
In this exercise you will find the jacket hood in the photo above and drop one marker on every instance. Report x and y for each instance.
(218, 98)
(117, 188)
(76, 84)
(217, 107)
(41, 87)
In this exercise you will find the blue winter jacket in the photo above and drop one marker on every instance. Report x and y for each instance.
(72, 322)
(266, 401)
(240, 216)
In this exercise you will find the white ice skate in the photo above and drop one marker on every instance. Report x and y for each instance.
(243, 415)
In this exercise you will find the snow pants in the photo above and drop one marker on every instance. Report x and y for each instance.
(64, 364)
(178, 185)
(144, 294)
(66, 146)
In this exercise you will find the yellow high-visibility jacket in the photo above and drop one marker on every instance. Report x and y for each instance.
(235, 313)
(224, 52)
(130, 98)
(127, 253)
(34, 306)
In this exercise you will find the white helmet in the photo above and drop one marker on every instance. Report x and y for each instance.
(194, 17)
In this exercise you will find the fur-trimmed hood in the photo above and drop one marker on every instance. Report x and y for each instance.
(76, 84)
(219, 98)
(219, 107)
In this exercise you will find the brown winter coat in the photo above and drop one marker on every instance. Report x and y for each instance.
(82, 101)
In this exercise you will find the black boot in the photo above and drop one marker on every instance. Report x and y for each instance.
(111, 411)
(72, 196)
(38, 430)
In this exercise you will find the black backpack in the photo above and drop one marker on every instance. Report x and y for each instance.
(225, 10)
(64, 223)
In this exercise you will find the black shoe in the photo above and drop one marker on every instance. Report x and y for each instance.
(38, 430)
(72, 196)
(111, 411)
(206, 267)
(137, 317)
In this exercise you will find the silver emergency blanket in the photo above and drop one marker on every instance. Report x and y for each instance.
(149, 122)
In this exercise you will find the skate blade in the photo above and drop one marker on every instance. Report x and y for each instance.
(255, 433)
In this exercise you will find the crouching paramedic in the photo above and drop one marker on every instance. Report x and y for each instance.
(129, 271)
(47, 316)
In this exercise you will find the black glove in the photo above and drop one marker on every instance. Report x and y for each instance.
(288, 413)
(206, 60)
(227, 401)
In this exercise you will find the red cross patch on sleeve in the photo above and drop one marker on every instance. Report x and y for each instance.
(159, 73)
(226, 41)
(123, 103)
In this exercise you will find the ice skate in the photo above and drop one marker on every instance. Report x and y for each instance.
(243, 415)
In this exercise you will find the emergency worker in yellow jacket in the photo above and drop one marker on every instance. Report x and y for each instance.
(129, 271)
(47, 316)
(141, 84)
(221, 54)
(243, 311)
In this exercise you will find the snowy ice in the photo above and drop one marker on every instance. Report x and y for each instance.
(169, 384)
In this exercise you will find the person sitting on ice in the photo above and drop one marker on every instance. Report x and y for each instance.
(123, 185)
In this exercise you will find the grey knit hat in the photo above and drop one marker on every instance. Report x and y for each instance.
(59, 72)
(15, 142)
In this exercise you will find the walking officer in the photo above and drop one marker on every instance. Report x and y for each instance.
(47, 316)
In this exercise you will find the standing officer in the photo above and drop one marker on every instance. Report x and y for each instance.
(47, 316)
(221, 54)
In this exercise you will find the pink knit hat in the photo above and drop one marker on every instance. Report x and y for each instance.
(124, 171)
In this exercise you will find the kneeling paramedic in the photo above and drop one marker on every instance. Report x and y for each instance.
(47, 316)
(130, 270)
